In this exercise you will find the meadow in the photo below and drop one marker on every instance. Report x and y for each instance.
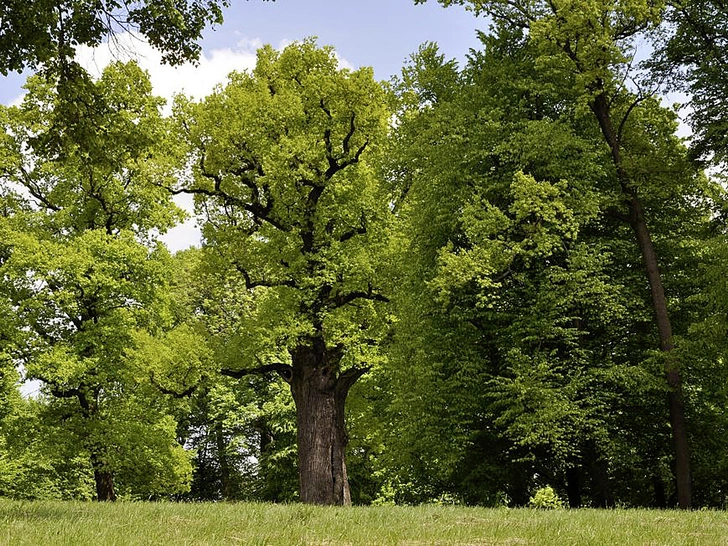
(105, 524)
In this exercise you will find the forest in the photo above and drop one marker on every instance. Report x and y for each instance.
(469, 284)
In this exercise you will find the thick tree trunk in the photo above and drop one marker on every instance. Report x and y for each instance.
(320, 394)
(104, 483)
(103, 477)
(601, 109)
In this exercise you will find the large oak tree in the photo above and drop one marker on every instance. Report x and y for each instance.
(280, 164)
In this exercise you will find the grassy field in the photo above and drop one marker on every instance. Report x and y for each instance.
(70, 524)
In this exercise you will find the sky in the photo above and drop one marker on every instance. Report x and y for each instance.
(377, 33)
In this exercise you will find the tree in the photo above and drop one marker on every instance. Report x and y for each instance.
(281, 161)
(594, 45)
(695, 56)
(500, 316)
(45, 32)
(85, 271)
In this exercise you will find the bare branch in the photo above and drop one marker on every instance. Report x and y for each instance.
(175, 394)
(343, 299)
(284, 370)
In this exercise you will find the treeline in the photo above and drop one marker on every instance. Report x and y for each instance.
(464, 285)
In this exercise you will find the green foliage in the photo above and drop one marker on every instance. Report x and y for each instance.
(522, 292)
(480, 204)
(292, 202)
(545, 498)
(694, 57)
(84, 273)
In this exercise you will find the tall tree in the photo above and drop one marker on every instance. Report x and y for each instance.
(281, 169)
(512, 309)
(86, 271)
(594, 41)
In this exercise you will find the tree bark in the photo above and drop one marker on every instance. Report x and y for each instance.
(637, 221)
(104, 480)
(672, 368)
(320, 392)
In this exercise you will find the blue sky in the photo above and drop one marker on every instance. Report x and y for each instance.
(377, 33)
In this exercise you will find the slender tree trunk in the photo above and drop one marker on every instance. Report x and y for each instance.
(320, 394)
(672, 369)
(225, 482)
(637, 221)
(660, 495)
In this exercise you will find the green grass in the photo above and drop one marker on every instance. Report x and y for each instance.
(75, 523)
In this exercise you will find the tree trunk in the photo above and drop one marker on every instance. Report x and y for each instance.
(320, 394)
(222, 460)
(104, 479)
(573, 486)
(672, 369)
(637, 221)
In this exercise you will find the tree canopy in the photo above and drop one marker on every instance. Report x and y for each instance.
(46, 31)
(469, 284)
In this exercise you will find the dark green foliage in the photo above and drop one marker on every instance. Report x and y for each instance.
(522, 356)
(43, 32)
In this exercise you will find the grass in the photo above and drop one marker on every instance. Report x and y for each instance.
(76, 523)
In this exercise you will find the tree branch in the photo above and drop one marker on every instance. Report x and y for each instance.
(284, 370)
(175, 394)
(250, 284)
(623, 122)
(349, 377)
(360, 230)
(343, 299)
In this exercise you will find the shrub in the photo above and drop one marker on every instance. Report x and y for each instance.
(545, 498)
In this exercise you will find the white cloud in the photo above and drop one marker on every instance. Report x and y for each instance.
(195, 80)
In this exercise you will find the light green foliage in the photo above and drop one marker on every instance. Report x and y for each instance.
(242, 434)
(83, 270)
(545, 498)
(280, 159)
